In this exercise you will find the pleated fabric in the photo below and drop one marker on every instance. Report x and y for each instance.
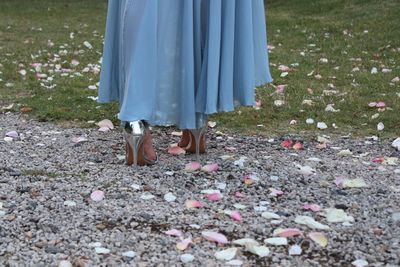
(174, 62)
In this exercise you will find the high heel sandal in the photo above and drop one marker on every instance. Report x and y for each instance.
(135, 133)
(197, 141)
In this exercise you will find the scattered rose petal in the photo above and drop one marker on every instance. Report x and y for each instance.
(194, 204)
(287, 232)
(306, 170)
(312, 207)
(245, 242)
(214, 196)
(283, 68)
(275, 192)
(184, 244)
(295, 250)
(379, 160)
(270, 215)
(193, 166)
(380, 104)
(319, 238)
(12, 134)
(310, 222)
(97, 195)
(210, 168)
(276, 241)
(236, 216)
(298, 146)
(176, 150)
(260, 251)
(106, 124)
(337, 215)
(287, 143)
(174, 232)
(215, 237)
(226, 255)
(239, 195)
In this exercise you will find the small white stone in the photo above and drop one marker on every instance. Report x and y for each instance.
(135, 186)
(374, 70)
(8, 139)
(235, 263)
(170, 173)
(94, 244)
(360, 263)
(100, 250)
(129, 254)
(69, 203)
(276, 241)
(65, 263)
(295, 250)
(310, 121)
(186, 258)
(396, 144)
(169, 197)
(147, 196)
(380, 126)
(322, 125)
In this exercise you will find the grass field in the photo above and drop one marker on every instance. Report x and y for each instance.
(329, 46)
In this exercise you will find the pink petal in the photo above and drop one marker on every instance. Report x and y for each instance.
(104, 129)
(230, 148)
(275, 192)
(12, 134)
(215, 237)
(312, 207)
(378, 160)
(298, 146)
(339, 181)
(319, 238)
(239, 195)
(236, 216)
(176, 150)
(280, 89)
(173, 232)
(288, 232)
(214, 197)
(287, 143)
(283, 68)
(248, 181)
(194, 204)
(380, 104)
(210, 168)
(184, 244)
(192, 167)
(106, 124)
(97, 195)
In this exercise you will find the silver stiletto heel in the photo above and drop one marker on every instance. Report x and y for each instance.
(135, 133)
(198, 137)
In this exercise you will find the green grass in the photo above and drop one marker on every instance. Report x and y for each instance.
(302, 31)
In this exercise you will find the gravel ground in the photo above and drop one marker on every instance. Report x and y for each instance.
(47, 215)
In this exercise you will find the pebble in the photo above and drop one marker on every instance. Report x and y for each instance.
(186, 258)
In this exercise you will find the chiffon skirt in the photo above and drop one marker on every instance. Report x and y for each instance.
(174, 62)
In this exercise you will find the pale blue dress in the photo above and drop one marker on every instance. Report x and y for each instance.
(174, 62)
